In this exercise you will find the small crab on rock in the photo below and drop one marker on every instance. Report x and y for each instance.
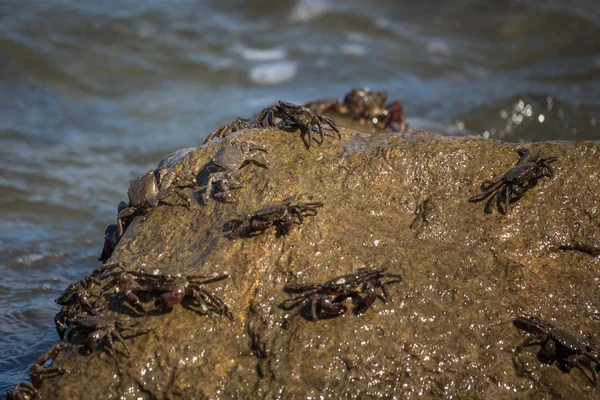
(38, 371)
(99, 329)
(222, 131)
(299, 116)
(23, 391)
(229, 159)
(364, 105)
(77, 298)
(282, 215)
(111, 239)
(560, 347)
(516, 182)
(173, 287)
(150, 189)
(324, 296)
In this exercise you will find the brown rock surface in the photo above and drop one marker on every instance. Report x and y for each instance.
(389, 200)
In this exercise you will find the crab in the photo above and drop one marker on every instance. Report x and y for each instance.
(282, 215)
(299, 116)
(150, 189)
(325, 296)
(111, 239)
(23, 391)
(224, 130)
(230, 158)
(559, 346)
(38, 372)
(100, 329)
(173, 287)
(76, 297)
(364, 105)
(516, 182)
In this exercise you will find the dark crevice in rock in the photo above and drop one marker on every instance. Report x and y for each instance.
(583, 248)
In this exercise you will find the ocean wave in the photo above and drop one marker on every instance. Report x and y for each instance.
(274, 73)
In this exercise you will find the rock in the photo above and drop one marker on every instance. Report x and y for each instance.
(389, 200)
(171, 159)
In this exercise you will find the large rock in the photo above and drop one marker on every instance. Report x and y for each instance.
(397, 201)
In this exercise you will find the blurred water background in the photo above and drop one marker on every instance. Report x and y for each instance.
(94, 92)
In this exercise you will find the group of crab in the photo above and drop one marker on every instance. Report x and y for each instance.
(82, 313)
(361, 104)
(83, 322)
(557, 346)
(149, 190)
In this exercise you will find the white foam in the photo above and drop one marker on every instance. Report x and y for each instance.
(353, 49)
(261, 54)
(306, 10)
(356, 36)
(438, 47)
(30, 258)
(274, 73)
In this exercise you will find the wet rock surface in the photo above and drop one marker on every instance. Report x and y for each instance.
(389, 200)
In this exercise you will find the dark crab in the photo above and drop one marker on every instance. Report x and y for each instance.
(560, 347)
(38, 372)
(94, 330)
(364, 105)
(299, 116)
(173, 287)
(150, 189)
(282, 215)
(111, 239)
(23, 391)
(325, 296)
(516, 182)
(230, 158)
(222, 131)
(81, 296)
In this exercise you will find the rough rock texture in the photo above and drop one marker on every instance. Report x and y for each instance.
(389, 200)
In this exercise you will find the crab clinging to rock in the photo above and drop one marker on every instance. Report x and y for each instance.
(295, 115)
(560, 347)
(282, 215)
(23, 391)
(111, 239)
(152, 188)
(239, 124)
(173, 289)
(365, 105)
(81, 297)
(229, 159)
(513, 185)
(94, 330)
(37, 373)
(325, 296)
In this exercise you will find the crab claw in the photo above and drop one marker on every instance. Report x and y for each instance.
(134, 302)
(169, 299)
